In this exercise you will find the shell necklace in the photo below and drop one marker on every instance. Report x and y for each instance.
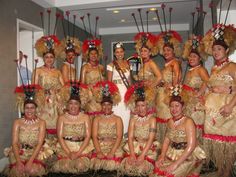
(69, 116)
(30, 121)
(108, 115)
(141, 118)
(193, 68)
(178, 121)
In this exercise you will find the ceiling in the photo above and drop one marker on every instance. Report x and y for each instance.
(123, 22)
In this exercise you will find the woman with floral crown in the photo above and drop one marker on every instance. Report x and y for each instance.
(107, 130)
(219, 126)
(180, 154)
(118, 71)
(168, 43)
(195, 82)
(141, 148)
(74, 132)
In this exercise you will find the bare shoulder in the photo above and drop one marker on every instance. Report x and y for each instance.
(189, 122)
(232, 65)
(152, 120)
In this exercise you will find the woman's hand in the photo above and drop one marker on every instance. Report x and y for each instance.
(100, 155)
(140, 159)
(20, 167)
(131, 159)
(159, 161)
(28, 167)
(73, 155)
(171, 168)
(110, 155)
(226, 110)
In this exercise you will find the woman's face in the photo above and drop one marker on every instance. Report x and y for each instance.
(30, 111)
(107, 107)
(193, 59)
(93, 56)
(219, 52)
(168, 53)
(141, 108)
(145, 53)
(70, 57)
(176, 109)
(49, 59)
(120, 53)
(73, 107)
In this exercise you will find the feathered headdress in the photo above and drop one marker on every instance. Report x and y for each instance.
(79, 92)
(169, 37)
(49, 42)
(140, 91)
(220, 34)
(146, 39)
(70, 42)
(27, 91)
(194, 43)
(107, 91)
(92, 42)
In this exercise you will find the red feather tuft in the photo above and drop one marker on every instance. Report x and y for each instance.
(20, 89)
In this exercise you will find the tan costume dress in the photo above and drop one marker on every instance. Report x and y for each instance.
(220, 132)
(147, 75)
(107, 139)
(140, 133)
(53, 102)
(93, 107)
(73, 135)
(28, 140)
(194, 107)
(192, 165)
(71, 70)
(162, 102)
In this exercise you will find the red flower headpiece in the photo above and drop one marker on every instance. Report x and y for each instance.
(170, 38)
(146, 39)
(92, 44)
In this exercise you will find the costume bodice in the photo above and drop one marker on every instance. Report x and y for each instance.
(71, 70)
(93, 76)
(194, 81)
(177, 136)
(74, 130)
(220, 79)
(141, 132)
(167, 75)
(107, 130)
(50, 79)
(28, 136)
(145, 74)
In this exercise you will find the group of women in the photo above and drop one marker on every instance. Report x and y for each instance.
(74, 125)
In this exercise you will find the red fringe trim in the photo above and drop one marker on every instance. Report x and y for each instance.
(31, 87)
(200, 126)
(24, 162)
(96, 113)
(145, 158)
(116, 159)
(221, 138)
(51, 131)
(162, 121)
(162, 173)
(188, 88)
(83, 155)
(77, 84)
